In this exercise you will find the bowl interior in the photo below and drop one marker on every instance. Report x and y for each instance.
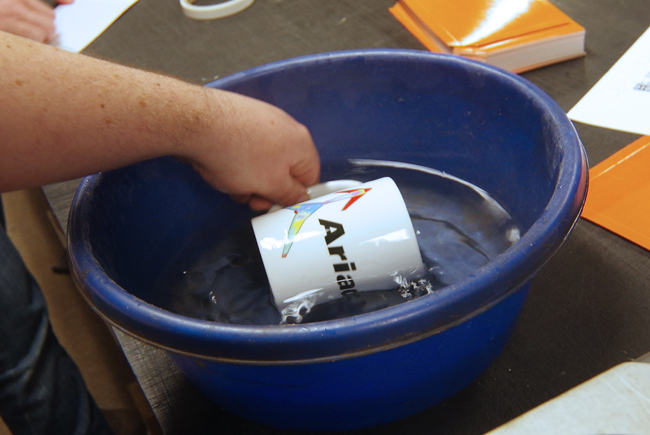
(475, 122)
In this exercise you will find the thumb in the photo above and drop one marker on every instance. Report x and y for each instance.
(307, 171)
(291, 193)
(304, 173)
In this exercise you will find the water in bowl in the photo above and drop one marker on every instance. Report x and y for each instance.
(458, 225)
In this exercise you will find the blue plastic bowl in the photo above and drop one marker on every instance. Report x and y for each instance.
(479, 123)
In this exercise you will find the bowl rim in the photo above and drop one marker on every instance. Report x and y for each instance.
(357, 335)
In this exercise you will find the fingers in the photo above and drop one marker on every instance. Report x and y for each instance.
(292, 192)
(291, 187)
(258, 203)
(42, 17)
(242, 199)
(31, 19)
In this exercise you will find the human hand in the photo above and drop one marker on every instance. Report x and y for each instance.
(255, 152)
(31, 19)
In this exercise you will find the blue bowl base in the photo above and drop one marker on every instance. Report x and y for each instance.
(363, 391)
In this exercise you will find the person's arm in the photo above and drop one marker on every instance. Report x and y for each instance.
(65, 115)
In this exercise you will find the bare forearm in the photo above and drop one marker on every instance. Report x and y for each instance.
(65, 115)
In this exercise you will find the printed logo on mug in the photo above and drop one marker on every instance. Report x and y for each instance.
(355, 239)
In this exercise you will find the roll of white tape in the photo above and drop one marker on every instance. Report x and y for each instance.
(211, 12)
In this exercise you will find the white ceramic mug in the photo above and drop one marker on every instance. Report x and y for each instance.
(354, 239)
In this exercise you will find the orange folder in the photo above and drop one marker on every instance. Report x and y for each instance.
(518, 37)
(619, 193)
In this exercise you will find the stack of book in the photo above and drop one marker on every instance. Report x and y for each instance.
(517, 35)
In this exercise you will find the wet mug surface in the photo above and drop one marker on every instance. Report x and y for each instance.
(355, 239)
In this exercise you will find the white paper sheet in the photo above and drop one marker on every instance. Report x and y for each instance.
(621, 98)
(79, 23)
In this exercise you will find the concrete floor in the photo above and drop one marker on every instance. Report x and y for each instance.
(85, 336)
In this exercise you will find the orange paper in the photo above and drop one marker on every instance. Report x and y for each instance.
(619, 193)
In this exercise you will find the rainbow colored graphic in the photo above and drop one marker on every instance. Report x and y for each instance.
(304, 210)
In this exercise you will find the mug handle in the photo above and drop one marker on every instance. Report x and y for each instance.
(211, 12)
(322, 189)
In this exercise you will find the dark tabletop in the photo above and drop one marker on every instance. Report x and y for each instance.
(589, 307)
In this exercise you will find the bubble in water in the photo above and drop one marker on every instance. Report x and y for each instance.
(294, 312)
(413, 289)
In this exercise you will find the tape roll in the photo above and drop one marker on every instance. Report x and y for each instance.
(212, 12)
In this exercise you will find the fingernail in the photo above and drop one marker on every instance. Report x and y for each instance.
(304, 197)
